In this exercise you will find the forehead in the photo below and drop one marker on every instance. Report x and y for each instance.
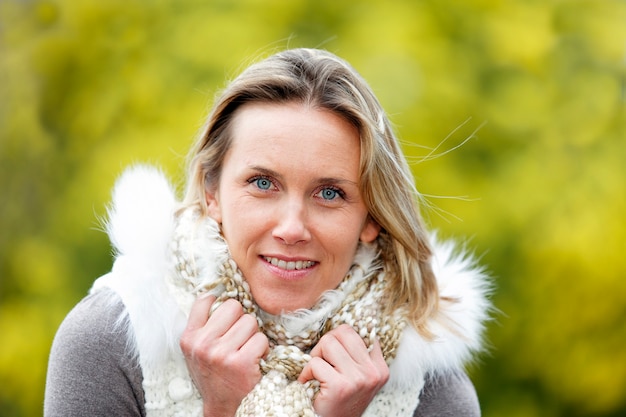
(295, 136)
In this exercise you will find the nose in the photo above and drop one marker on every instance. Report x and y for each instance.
(291, 225)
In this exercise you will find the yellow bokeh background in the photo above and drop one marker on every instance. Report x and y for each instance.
(523, 103)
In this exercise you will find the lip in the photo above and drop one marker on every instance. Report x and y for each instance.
(288, 268)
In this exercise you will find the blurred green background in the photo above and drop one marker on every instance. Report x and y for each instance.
(88, 87)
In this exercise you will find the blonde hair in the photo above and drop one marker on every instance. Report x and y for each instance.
(320, 79)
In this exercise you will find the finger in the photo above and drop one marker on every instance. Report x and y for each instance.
(256, 346)
(199, 313)
(333, 353)
(317, 369)
(352, 343)
(376, 355)
(224, 317)
(342, 347)
(240, 332)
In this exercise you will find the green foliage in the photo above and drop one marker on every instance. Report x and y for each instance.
(88, 87)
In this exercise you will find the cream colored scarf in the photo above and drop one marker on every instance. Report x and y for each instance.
(198, 249)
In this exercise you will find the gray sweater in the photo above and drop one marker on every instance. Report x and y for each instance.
(91, 373)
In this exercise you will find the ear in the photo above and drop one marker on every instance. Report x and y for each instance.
(370, 230)
(213, 205)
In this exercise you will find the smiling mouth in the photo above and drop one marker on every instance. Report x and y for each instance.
(289, 266)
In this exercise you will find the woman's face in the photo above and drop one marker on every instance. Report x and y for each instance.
(289, 202)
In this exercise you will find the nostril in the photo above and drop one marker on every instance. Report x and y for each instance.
(291, 227)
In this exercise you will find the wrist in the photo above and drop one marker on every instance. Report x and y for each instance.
(220, 411)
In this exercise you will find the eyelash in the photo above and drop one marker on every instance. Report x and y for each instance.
(254, 180)
(339, 192)
(257, 178)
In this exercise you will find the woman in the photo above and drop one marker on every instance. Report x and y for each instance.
(296, 277)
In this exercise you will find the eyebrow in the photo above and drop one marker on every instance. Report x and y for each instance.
(320, 181)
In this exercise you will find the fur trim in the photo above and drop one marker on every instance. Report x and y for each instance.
(141, 197)
(141, 225)
(457, 329)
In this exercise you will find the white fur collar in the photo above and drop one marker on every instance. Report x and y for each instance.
(140, 227)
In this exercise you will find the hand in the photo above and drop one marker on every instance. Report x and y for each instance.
(222, 351)
(349, 375)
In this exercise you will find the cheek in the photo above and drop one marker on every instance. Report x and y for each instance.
(340, 232)
(242, 226)
(342, 247)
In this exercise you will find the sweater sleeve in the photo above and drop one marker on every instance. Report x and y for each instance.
(448, 395)
(90, 372)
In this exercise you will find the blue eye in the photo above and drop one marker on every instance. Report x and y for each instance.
(263, 183)
(329, 194)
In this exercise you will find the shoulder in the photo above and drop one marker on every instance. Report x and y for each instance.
(90, 370)
(448, 394)
(94, 326)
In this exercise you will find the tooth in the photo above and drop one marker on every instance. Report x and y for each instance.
(291, 265)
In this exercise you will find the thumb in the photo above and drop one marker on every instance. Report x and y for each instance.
(306, 374)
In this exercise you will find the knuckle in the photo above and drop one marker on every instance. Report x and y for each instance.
(316, 361)
(345, 327)
(249, 321)
(232, 306)
(188, 343)
(185, 342)
(384, 375)
(371, 377)
(380, 380)
(218, 357)
(260, 339)
(342, 329)
(329, 339)
(363, 382)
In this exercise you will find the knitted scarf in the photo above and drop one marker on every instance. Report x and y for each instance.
(202, 264)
